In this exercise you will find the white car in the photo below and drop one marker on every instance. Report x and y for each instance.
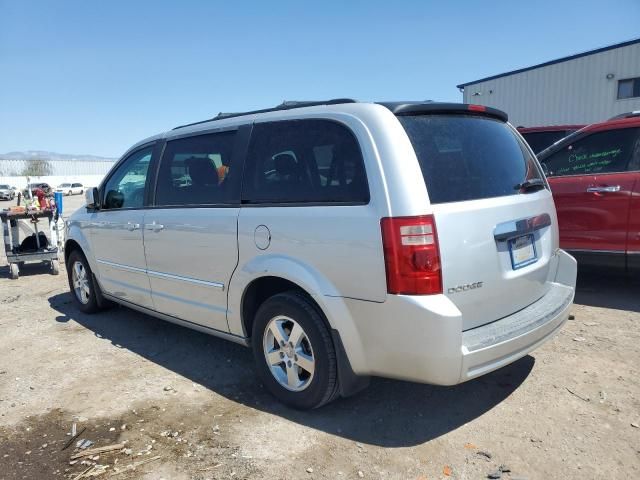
(339, 240)
(70, 188)
(7, 192)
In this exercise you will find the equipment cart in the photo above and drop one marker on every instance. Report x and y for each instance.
(33, 249)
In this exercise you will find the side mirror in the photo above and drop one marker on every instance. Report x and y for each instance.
(93, 198)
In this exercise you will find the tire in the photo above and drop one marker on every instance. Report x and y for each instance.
(14, 271)
(86, 299)
(55, 267)
(287, 379)
(69, 193)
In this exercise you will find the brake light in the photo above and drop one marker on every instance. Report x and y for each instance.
(411, 255)
(477, 108)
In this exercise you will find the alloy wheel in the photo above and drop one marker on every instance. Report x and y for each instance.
(81, 283)
(288, 353)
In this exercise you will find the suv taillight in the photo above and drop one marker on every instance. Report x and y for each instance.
(411, 255)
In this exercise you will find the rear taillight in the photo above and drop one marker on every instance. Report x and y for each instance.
(411, 255)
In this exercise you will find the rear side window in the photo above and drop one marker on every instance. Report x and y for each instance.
(304, 161)
(198, 171)
(466, 157)
(603, 152)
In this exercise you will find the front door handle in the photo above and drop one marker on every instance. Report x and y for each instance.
(607, 189)
(156, 227)
(132, 226)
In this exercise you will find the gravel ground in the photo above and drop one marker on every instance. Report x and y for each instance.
(189, 406)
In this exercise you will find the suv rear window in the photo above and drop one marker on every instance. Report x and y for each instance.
(466, 157)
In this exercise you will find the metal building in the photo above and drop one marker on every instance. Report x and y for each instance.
(579, 89)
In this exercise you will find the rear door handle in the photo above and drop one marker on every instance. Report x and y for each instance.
(607, 189)
(156, 227)
(132, 226)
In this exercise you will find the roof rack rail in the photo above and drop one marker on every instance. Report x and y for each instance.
(285, 105)
(635, 113)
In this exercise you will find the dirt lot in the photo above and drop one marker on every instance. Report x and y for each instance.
(191, 407)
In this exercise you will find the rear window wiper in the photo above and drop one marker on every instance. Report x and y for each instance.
(530, 185)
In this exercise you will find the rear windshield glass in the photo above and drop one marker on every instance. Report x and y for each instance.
(466, 157)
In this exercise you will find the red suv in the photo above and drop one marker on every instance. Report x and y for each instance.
(594, 175)
(540, 138)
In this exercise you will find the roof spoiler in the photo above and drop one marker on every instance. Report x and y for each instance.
(433, 108)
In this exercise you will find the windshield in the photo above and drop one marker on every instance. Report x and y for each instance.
(465, 157)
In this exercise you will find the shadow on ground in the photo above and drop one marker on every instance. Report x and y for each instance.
(606, 289)
(389, 413)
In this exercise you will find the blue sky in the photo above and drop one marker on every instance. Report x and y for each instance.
(82, 76)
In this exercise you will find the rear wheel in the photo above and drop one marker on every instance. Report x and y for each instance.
(294, 354)
(81, 283)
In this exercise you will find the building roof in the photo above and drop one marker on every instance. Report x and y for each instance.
(552, 62)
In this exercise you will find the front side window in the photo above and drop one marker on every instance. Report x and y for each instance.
(629, 88)
(304, 161)
(125, 188)
(198, 171)
(601, 152)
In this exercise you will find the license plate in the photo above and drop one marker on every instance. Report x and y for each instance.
(522, 251)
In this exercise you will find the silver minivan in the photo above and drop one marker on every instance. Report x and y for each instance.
(340, 240)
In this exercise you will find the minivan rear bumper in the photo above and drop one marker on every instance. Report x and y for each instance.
(499, 343)
(420, 338)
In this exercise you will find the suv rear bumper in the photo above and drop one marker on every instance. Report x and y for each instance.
(420, 338)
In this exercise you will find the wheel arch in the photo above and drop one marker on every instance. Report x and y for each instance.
(264, 287)
(77, 241)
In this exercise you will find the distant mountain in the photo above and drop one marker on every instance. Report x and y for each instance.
(44, 155)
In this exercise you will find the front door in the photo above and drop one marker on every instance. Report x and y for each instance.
(592, 190)
(116, 233)
(191, 232)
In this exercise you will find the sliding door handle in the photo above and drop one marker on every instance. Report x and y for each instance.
(132, 226)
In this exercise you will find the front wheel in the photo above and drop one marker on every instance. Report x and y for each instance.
(294, 354)
(82, 283)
